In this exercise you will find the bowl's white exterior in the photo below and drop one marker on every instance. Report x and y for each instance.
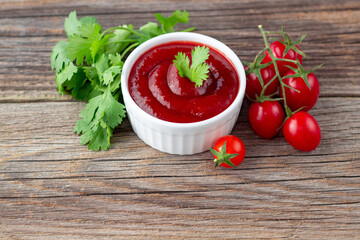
(182, 138)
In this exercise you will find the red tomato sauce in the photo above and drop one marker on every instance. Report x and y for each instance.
(157, 88)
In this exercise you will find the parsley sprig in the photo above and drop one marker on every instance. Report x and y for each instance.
(199, 69)
(88, 66)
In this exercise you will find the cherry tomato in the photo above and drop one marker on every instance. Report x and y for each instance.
(278, 50)
(266, 118)
(253, 85)
(302, 131)
(306, 97)
(229, 151)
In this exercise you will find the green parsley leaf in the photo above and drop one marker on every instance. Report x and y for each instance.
(199, 55)
(119, 40)
(182, 63)
(78, 86)
(85, 44)
(198, 70)
(65, 75)
(101, 64)
(58, 57)
(115, 59)
(110, 73)
(115, 84)
(109, 111)
(168, 23)
(88, 66)
(72, 80)
(100, 116)
(99, 139)
(90, 31)
(78, 48)
(88, 20)
(107, 74)
(152, 29)
(72, 23)
(98, 46)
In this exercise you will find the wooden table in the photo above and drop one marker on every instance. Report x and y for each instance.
(51, 187)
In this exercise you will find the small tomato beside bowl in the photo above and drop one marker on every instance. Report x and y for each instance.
(229, 151)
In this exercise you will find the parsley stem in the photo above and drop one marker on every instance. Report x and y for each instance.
(117, 94)
(122, 28)
(132, 31)
(129, 48)
(126, 41)
(108, 30)
(189, 29)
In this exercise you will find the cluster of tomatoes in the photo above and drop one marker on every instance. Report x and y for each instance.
(279, 73)
(282, 92)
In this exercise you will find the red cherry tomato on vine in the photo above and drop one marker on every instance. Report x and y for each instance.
(278, 50)
(266, 118)
(306, 97)
(302, 131)
(229, 151)
(253, 85)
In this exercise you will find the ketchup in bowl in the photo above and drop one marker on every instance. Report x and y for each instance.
(156, 87)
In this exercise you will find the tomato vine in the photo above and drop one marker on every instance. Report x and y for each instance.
(282, 61)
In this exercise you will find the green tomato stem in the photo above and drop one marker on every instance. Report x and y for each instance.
(274, 60)
(287, 60)
(258, 56)
(266, 85)
(272, 33)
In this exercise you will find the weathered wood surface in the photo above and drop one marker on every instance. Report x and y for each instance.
(51, 187)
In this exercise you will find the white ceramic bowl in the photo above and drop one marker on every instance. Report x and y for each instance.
(182, 138)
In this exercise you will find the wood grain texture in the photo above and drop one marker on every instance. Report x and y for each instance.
(29, 31)
(56, 188)
(51, 187)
